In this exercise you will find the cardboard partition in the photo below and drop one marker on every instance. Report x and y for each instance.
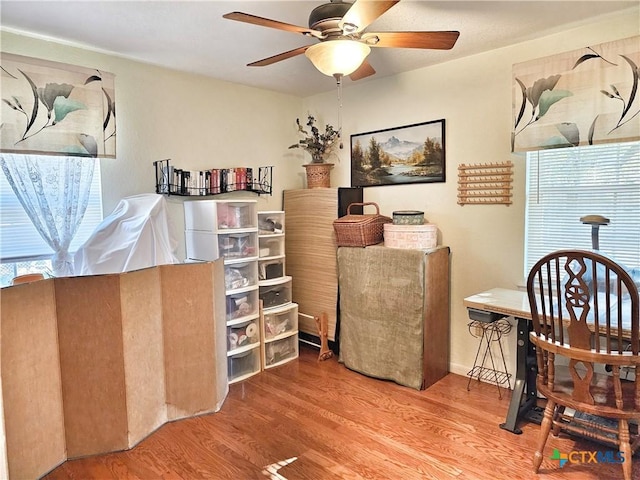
(31, 383)
(141, 307)
(193, 301)
(94, 364)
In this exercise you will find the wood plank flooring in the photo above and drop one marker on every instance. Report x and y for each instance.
(343, 425)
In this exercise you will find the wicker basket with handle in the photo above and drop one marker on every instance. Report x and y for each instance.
(360, 230)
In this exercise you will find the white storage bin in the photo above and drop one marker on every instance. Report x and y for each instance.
(271, 246)
(275, 293)
(243, 305)
(211, 246)
(237, 245)
(209, 215)
(271, 269)
(280, 321)
(243, 334)
(236, 215)
(201, 245)
(271, 223)
(243, 365)
(280, 351)
(240, 275)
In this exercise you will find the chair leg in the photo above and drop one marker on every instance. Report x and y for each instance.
(545, 428)
(556, 425)
(625, 448)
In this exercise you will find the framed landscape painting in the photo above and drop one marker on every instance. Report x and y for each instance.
(410, 154)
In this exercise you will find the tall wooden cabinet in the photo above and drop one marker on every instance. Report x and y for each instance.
(311, 253)
(394, 307)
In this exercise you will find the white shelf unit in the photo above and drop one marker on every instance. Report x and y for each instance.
(279, 314)
(229, 229)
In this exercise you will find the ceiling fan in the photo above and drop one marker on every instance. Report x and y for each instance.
(343, 42)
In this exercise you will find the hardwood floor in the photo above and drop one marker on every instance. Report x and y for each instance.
(343, 425)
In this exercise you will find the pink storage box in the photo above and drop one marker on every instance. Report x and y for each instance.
(411, 236)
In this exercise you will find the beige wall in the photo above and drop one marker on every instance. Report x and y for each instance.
(196, 121)
(201, 122)
(473, 95)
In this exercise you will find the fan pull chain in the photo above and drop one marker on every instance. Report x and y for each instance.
(339, 82)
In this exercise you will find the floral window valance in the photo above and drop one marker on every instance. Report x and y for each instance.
(51, 108)
(584, 97)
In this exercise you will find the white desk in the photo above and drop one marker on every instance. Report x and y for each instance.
(510, 303)
(498, 303)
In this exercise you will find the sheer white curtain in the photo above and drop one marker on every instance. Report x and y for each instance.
(54, 192)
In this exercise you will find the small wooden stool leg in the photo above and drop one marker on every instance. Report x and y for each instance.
(322, 322)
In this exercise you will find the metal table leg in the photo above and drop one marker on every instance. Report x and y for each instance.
(525, 383)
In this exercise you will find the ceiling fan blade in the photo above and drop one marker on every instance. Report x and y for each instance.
(364, 12)
(265, 22)
(364, 70)
(279, 57)
(430, 40)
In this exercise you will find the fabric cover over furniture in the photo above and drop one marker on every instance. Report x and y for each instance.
(394, 313)
(94, 364)
(135, 235)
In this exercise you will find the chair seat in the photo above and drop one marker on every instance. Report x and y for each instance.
(602, 391)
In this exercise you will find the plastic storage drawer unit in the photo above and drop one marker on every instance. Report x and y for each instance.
(274, 293)
(243, 364)
(243, 335)
(281, 351)
(210, 215)
(242, 304)
(280, 321)
(270, 269)
(240, 275)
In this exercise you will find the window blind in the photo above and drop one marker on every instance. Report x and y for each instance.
(19, 239)
(566, 184)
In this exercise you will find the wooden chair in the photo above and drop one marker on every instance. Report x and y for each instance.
(584, 310)
(26, 278)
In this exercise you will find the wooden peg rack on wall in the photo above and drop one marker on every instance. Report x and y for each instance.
(485, 184)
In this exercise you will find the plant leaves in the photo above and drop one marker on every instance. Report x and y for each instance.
(524, 102)
(109, 108)
(75, 151)
(540, 86)
(9, 103)
(92, 78)
(570, 131)
(634, 89)
(7, 72)
(549, 97)
(63, 106)
(89, 143)
(592, 129)
(34, 112)
(584, 58)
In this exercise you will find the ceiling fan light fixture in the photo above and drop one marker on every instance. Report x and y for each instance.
(338, 57)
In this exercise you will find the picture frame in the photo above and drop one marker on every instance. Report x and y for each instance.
(400, 155)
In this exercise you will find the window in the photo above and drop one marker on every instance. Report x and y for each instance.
(566, 184)
(22, 249)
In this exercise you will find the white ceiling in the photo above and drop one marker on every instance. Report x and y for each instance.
(192, 36)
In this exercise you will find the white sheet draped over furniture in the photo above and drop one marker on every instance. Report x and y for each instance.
(135, 235)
